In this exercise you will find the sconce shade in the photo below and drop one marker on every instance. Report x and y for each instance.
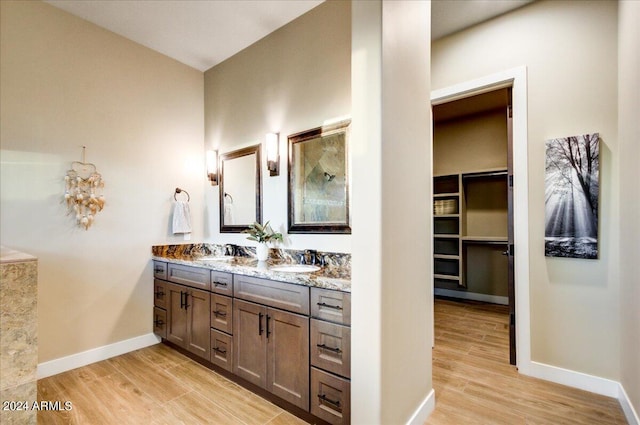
(273, 154)
(212, 167)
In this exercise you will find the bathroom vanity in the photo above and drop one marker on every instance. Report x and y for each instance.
(285, 332)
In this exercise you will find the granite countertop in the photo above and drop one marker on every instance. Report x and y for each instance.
(8, 255)
(327, 277)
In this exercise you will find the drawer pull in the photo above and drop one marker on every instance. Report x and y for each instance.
(220, 351)
(335, 307)
(159, 270)
(260, 323)
(220, 283)
(324, 347)
(159, 293)
(158, 322)
(336, 404)
(220, 313)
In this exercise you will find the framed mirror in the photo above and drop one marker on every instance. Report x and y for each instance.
(318, 199)
(240, 189)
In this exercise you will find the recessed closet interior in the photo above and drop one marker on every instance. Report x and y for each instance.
(471, 210)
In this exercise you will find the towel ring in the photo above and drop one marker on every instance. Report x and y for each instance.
(178, 190)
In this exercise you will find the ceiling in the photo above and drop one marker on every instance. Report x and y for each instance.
(203, 33)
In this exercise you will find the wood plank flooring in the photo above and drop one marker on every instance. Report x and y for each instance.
(155, 385)
(472, 377)
(475, 384)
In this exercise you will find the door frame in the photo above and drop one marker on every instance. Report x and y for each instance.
(516, 78)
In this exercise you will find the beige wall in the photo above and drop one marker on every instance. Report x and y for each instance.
(392, 301)
(629, 105)
(67, 83)
(572, 83)
(294, 79)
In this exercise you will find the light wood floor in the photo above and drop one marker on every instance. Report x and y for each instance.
(475, 384)
(472, 377)
(155, 385)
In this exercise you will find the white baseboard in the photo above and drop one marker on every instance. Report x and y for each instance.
(574, 379)
(474, 296)
(423, 411)
(63, 364)
(629, 412)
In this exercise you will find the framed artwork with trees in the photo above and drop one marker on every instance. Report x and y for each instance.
(571, 196)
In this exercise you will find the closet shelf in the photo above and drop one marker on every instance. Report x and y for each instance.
(445, 236)
(485, 239)
(446, 195)
(446, 277)
(446, 256)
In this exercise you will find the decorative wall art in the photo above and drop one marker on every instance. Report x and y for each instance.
(83, 192)
(318, 180)
(571, 196)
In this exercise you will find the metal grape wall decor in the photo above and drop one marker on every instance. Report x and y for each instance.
(83, 191)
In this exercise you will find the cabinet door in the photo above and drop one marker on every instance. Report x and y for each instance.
(176, 315)
(288, 356)
(222, 313)
(249, 342)
(197, 307)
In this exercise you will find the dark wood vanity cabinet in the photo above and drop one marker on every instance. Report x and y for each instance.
(330, 348)
(291, 340)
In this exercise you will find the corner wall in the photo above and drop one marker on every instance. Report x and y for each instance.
(629, 105)
(68, 83)
(572, 85)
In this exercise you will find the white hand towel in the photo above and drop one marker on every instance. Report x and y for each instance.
(181, 218)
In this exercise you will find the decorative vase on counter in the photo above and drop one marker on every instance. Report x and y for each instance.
(262, 251)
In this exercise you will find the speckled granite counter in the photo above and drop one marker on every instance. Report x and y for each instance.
(335, 274)
(18, 334)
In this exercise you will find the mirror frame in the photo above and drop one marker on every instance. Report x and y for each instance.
(258, 187)
(304, 136)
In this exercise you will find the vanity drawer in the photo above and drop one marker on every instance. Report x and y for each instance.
(160, 293)
(221, 283)
(222, 350)
(160, 270)
(334, 306)
(190, 276)
(222, 313)
(331, 347)
(330, 397)
(160, 322)
(285, 296)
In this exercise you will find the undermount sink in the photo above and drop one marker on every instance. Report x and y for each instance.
(295, 268)
(218, 258)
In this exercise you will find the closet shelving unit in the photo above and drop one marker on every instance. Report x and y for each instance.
(470, 209)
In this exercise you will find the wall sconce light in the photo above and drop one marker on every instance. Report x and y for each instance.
(273, 154)
(212, 167)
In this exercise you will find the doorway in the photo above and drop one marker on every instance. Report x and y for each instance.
(509, 177)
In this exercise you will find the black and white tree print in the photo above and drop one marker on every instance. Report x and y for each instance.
(571, 196)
